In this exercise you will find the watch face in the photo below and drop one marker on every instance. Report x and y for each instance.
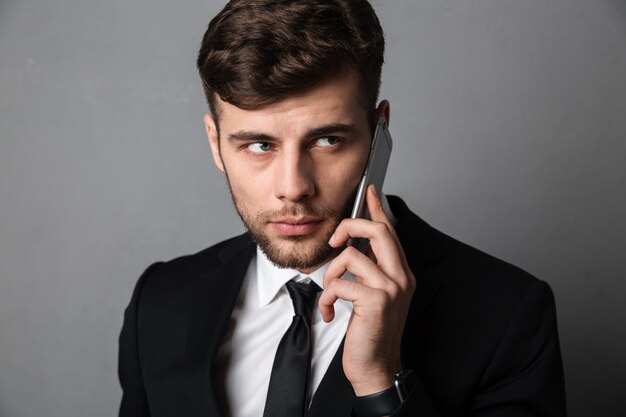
(403, 382)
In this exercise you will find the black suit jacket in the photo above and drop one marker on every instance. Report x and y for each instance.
(481, 334)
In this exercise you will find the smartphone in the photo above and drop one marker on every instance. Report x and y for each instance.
(375, 170)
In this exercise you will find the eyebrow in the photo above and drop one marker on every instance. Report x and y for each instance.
(332, 128)
(251, 136)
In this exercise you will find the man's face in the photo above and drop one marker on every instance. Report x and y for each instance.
(293, 167)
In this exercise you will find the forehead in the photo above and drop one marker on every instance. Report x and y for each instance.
(336, 100)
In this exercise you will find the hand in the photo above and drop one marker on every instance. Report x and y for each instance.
(380, 295)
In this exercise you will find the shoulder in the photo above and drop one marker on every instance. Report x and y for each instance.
(471, 286)
(205, 259)
(477, 323)
(459, 265)
(468, 269)
(479, 288)
(166, 280)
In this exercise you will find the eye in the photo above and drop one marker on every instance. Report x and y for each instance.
(259, 147)
(327, 141)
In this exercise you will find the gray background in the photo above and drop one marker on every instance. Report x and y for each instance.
(510, 127)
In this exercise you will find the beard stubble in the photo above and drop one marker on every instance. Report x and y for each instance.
(303, 252)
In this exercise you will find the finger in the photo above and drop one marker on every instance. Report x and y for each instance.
(377, 210)
(349, 291)
(377, 213)
(370, 254)
(375, 207)
(359, 265)
(384, 245)
(327, 308)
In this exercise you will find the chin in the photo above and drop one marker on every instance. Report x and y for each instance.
(295, 252)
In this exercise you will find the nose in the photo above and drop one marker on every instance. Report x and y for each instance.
(294, 176)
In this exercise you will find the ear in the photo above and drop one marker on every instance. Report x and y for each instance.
(383, 110)
(211, 132)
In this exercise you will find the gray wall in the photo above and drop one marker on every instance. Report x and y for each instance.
(510, 128)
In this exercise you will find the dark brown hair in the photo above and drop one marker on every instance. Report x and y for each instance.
(256, 52)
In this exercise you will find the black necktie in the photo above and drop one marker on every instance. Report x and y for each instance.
(289, 381)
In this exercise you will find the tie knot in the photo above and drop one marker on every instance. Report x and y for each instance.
(303, 297)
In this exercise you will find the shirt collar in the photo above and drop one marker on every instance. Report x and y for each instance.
(271, 279)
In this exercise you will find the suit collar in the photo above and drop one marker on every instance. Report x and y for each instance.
(417, 237)
(233, 248)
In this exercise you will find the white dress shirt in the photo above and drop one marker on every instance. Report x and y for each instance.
(262, 314)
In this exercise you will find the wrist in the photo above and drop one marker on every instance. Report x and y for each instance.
(374, 379)
(373, 385)
(386, 401)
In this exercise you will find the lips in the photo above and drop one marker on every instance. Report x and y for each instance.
(296, 226)
(297, 220)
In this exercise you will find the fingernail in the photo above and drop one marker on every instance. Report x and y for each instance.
(330, 241)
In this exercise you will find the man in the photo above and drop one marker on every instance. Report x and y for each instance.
(419, 325)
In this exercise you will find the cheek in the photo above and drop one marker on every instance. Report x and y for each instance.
(247, 185)
(245, 182)
(342, 180)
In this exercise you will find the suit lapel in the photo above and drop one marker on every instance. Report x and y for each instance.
(212, 303)
(334, 394)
